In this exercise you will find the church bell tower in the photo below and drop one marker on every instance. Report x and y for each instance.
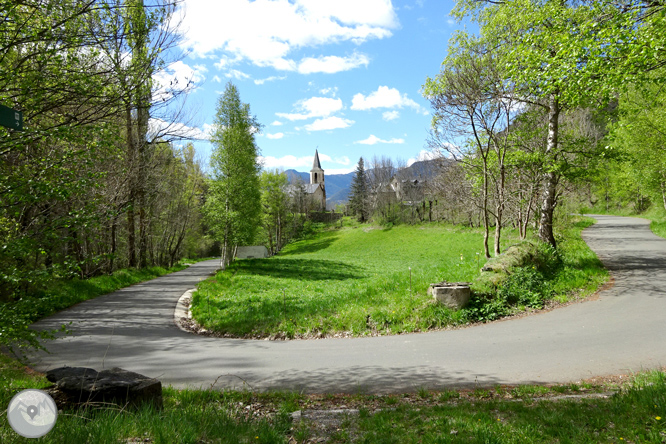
(317, 178)
(316, 173)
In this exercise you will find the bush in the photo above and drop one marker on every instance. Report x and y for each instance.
(521, 276)
(525, 286)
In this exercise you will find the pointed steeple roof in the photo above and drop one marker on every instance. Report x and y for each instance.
(316, 165)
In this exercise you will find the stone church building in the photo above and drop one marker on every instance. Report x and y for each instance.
(316, 190)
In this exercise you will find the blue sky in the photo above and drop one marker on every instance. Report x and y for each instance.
(343, 76)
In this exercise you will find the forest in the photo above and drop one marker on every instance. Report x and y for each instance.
(93, 182)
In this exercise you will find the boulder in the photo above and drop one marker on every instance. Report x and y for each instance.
(82, 385)
(453, 295)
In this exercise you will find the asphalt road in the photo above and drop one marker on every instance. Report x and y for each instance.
(621, 331)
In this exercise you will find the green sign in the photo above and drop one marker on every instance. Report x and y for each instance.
(10, 118)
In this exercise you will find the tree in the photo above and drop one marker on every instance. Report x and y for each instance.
(473, 111)
(360, 193)
(275, 202)
(639, 136)
(381, 172)
(233, 206)
(563, 55)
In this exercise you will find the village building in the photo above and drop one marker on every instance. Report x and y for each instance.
(316, 190)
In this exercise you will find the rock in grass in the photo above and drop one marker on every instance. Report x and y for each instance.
(453, 295)
(82, 385)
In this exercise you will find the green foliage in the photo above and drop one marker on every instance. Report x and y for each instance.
(525, 286)
(233, 205)
(529, 277)
(274, 200)
(359, 195)
(636, 174)
(82, 74)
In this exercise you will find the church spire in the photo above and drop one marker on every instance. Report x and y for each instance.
(316, 165)
(316, 173)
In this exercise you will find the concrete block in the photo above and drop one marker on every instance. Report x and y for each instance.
(454, 296)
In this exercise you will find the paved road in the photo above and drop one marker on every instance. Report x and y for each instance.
(624, 330)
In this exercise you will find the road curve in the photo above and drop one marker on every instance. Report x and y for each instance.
(621, 331)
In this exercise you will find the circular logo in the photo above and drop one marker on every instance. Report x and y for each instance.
(32, 413)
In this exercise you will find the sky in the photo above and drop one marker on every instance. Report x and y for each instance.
(340, 76)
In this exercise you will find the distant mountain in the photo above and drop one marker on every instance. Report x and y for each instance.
(339, 185)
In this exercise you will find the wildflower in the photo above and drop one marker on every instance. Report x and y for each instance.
(658, 418)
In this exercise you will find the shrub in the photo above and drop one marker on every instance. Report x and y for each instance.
(525, 286)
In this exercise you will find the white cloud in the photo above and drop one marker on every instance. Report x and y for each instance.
(201, 68)
(332, 91)
(236, 74)
(329, 123)
(344, 160)
(275, 136)
(332, 64)
(177, 77)
(290, 161)
(265, 32)
(158, 128)
(276, 123)
(285, 161)
(384, 97)
(208, 128)
(217, 79)
(268, 79)
(390, 115)
(423, 155)
(373, 140)
(313, 107)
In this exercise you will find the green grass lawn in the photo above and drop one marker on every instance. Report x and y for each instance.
(355, 281)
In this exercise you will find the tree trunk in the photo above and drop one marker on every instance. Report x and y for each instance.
(499, 209)
(131, 159)
(113, 244)
(486, 222)
(548, 198)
